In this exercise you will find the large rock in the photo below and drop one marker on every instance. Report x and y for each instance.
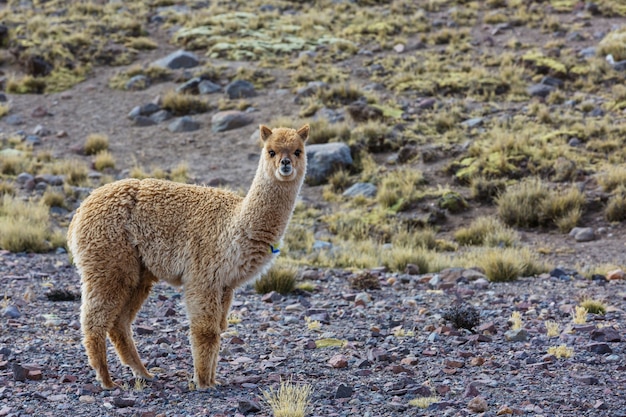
(183, 124)
(325, 159)
(178, 59)
(230, 119)
(240, 89)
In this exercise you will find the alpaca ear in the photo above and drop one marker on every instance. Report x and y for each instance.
(266, 132)
(304, 132)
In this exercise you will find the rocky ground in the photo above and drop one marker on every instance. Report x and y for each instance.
(395, 347)
(394, 343)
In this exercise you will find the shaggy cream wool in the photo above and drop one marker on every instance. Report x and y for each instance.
(129, 234)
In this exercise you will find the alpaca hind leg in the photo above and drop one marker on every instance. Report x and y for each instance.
(98, 312)
(121, 333)
(205, 316)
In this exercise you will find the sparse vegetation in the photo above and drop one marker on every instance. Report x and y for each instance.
(183, 104)
(593, 306)
(462, 316)
(289, 400)
(96, 143)
(279, 279)
(561, 351)
(25, 226)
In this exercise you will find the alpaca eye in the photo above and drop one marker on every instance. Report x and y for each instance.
(272, 154)
(298, 152)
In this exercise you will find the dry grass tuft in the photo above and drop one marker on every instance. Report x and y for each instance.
(103, 160)
(289, 400)
(279, 279)
(95, 143)
(593, 306)
(183, 104)
(24, 225)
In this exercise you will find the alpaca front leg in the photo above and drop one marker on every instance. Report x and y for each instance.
(205, 348)
(205, 316)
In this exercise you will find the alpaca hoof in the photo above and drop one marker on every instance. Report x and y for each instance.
(146, 377)
(108, 385)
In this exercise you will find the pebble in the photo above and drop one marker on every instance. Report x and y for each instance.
(338, 361)
(583, 234)
(272, 297)
(11, 311)
(599, 348)
(344, 391)
(540, 90)
(249, 405)
(477, 405)
(606, 334)
(365, 189)
(87, 399)
(519, 335)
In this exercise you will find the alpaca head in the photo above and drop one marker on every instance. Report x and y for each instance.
(283, 152)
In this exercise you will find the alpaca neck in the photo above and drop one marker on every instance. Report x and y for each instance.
(267, 208)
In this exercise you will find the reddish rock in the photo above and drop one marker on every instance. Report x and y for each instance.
(477, 405)
(338, 361)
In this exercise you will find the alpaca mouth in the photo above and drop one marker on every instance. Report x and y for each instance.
(285, 170)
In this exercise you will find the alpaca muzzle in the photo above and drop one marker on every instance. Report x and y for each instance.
(285, 166)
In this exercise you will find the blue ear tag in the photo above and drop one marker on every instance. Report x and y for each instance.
(274, 250)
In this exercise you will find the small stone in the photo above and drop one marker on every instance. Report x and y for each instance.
(599, 348)
(34, 375)
(412, 269)
(271, 297)
(12, 312)
(399, 48)
(338, 361)
(177, 60)
(616, 274)
(19, 372)
(474, 122)
(120, 402)
(365, 189)
(409, 360)
(161, 116)
(240, 89)
(471, 391)
(68, 379)
(13, 120)
(143, 121)
(587, 379)
(504, 410)
(343, 391)
(540, 90)
(40, 130)
(362, 299)
(183, 124)
(189, 87)
(230, 119)
(519, 335)
(477, 405)
(142, 330)
(605, 334)
(583, 234)
(453, 364)
(40, 111)
(427, 103)
(137, 83)
(208, 87)
(87, 399)
(144, 110)
(249, 406)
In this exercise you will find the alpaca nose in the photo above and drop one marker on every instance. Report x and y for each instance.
(285, 161)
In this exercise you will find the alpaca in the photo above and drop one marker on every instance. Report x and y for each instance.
(129, 234)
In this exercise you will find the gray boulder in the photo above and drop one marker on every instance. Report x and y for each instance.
(325, 159)
(230, 119)
(240, 89)
(183, 124)
(178, 59)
